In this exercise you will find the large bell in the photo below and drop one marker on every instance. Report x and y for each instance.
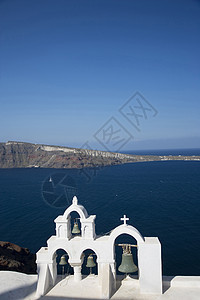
(62, 261)
(75, 229)
(127, 264)
(90, 262)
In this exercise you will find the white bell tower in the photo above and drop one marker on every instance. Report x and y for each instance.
(149, 254)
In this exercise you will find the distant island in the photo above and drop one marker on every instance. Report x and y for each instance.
(27, 155)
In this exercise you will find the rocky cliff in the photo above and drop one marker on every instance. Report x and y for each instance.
(16, 258)
(26, 155)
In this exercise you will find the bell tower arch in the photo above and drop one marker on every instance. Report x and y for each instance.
(63, 223)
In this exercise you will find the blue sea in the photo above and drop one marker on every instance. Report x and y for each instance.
(160, 198)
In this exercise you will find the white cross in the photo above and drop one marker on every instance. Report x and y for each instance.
(124, 219)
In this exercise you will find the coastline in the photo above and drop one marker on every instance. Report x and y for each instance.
(28, 155)
(107, 162)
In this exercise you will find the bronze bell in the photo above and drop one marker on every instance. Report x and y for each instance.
(90, 262)
(62, 261)
(75, 229)
(127, 264)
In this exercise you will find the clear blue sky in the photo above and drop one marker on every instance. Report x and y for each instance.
(66, 68)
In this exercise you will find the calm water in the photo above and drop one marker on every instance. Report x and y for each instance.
(160, 198)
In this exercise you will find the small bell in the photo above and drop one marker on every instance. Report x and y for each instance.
(127, 264)
(90, 263)
(75, 229)
(62, 261)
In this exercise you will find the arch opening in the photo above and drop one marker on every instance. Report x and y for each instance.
(62, 257)
(118, 252)
(75, 223)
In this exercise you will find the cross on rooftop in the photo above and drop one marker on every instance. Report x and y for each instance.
(124, 219)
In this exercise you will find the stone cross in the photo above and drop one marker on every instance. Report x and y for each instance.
(124, 219)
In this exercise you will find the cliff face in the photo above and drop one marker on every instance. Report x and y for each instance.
(15, 155)
(16, 258)
(26, 155)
